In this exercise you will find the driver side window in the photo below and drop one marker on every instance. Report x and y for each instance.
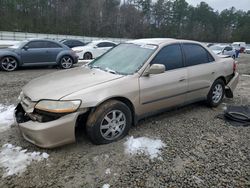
(170, 56)
(36, 44)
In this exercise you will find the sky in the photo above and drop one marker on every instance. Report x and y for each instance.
(224, 4)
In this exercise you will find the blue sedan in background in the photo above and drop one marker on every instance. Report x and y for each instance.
(37, 52)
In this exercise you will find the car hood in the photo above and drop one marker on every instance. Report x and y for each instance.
(62, 83)
(217, 51)
(7, 50)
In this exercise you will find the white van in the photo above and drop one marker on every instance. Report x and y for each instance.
(239, 46)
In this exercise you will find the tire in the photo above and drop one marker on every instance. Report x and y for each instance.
(9, 63)
(66, 62)
(103, 128)
(216, 93)
(87, 56)
(233, 56)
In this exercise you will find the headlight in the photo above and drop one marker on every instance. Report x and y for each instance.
(20, 96)
(58, 106)
(78, 51)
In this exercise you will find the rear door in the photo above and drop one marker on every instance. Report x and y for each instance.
(35, 52)
(201, 70)
(169, 88)
(53, 49)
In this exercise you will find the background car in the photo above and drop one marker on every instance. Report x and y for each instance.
(37, 52)
(94, 49)
(223, 50)
(71, 43)
(241, 46)
(248, 48)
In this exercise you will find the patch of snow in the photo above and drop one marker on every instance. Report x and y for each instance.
(14, 160)
(245, 75)
(106, 186)
(197, 179)
(6, 117)
(108, 171)
(150, 147)
(8, 42)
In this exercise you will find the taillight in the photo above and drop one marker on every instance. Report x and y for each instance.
(234, 66)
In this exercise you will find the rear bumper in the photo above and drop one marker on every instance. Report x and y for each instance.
(230, 87)
(75, 59)
(49, 134)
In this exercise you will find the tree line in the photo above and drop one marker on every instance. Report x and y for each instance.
(126, 19)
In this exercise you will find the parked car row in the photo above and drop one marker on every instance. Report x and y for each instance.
(44, 52)
(130, 82)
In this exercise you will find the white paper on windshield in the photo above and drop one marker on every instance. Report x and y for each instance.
(148, 46)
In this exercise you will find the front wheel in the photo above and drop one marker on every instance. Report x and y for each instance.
(216, 93)
(66, 62)
(110, 122)
(9, 64)
(87, 56)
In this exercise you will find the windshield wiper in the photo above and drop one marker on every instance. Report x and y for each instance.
(111, 71)
(94, 66)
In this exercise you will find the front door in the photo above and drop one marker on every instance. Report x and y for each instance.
(34, 52)
(167, 89)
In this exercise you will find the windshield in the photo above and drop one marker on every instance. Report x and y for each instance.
(124, 59)
(18, 44)
(216, 47)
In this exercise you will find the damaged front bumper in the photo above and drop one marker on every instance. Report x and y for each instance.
(230, 87)
(48, 134)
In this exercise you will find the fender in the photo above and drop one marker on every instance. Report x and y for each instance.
(4, 53)
(61, 54)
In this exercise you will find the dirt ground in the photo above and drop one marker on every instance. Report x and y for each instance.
(201, 150)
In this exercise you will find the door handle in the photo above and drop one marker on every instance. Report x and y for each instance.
(212, 72)
(182, 79)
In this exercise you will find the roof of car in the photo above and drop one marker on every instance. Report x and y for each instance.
(41, 39)
(158, 41)
(97, 41)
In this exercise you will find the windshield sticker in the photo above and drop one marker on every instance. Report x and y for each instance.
(148, 46)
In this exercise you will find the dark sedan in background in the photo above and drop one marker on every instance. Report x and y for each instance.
(71, 43)
(37, 52)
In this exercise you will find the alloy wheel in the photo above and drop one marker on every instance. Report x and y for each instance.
(113, 125)
(217, 93)
(9, 63)
(66, 62)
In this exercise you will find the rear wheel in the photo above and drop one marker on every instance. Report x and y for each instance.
(9, 63)
(216, 93)
(110, 122)
(66, 62)
(87, 56)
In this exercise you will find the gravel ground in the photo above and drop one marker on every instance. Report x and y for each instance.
(201, 150)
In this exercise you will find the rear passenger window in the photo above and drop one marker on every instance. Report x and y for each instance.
(52, 45)
(170, 56)
(196, 54)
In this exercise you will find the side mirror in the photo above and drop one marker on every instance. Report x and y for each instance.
(25, 47)
(155, 69)
(95, 46)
